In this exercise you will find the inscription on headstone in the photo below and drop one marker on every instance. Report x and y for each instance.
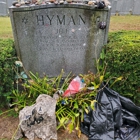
(49, 39)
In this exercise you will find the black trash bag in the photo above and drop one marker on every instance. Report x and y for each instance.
(114, 118)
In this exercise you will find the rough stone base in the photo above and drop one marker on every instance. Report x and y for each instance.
(38, 120)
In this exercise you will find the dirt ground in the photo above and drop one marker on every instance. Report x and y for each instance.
(9, 125)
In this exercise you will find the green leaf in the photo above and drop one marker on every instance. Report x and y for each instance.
(76, 105)
(62, 120)
(101, 78)
(76, 114)
(70, 127)
(86, 110)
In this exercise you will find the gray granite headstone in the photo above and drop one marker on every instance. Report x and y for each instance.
(119, 5)
(114, 5)
(3, 8)
(136, 8)
(50, 38)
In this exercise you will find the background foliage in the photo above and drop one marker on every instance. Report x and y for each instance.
(7, 58)
(122, 55)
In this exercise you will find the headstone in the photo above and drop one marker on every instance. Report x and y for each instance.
(114, 5)
(49, 38)
(3, 8)
(119, 6)
(38, 120)
(136, 8)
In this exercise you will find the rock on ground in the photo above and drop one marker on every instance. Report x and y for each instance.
(38, 120)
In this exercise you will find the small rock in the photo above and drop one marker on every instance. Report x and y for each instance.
(14, 3)
(22, 3)
(101, 5)
(18, 5)
(61, 1)
(27, 2)
(56, 2)
(34, 1)
(102, 25)
(69, 1)
(52, 1)
(43, 3)
(90, 3)
(38, 2)
(107, 3)
(65, 2)
(18, 63)
(85, 2)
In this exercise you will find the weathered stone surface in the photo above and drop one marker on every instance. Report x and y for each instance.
(50, 38)
(125, 7)
(113, 6)
(38, 120)
(136, 7)
(3, 8)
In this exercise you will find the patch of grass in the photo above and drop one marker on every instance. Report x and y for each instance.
(127, 22)
(5, 28)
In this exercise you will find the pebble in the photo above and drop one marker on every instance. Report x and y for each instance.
(37, 3)
(102, 25)
(100, 4)
(90, 3)
(22, 3)
(14, 3)
(18, 5)
(61, 1)
(65, 2)
(56, 2)
(34, 1)
(52, 1)
(27, 2)
(69, 1)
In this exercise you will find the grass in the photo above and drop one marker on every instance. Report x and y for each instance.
(5, 28)
(127, 22)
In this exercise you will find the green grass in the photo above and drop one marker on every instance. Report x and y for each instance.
(128, 22)
(5, 28)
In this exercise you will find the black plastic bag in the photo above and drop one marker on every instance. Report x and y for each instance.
(114, 118)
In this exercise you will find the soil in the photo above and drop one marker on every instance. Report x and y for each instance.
(8, 127)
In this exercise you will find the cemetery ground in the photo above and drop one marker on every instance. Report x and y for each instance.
(9, 122)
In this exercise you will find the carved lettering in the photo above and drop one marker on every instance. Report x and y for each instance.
(40, 20)
(71, 20)
(81, 19)
(60, 21)
(62, 31)
(50, 19)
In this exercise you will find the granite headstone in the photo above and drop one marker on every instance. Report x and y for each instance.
(136, 8)
(49, 38)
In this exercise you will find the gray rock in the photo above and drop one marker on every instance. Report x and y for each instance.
(14, 3)
(38, 120)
